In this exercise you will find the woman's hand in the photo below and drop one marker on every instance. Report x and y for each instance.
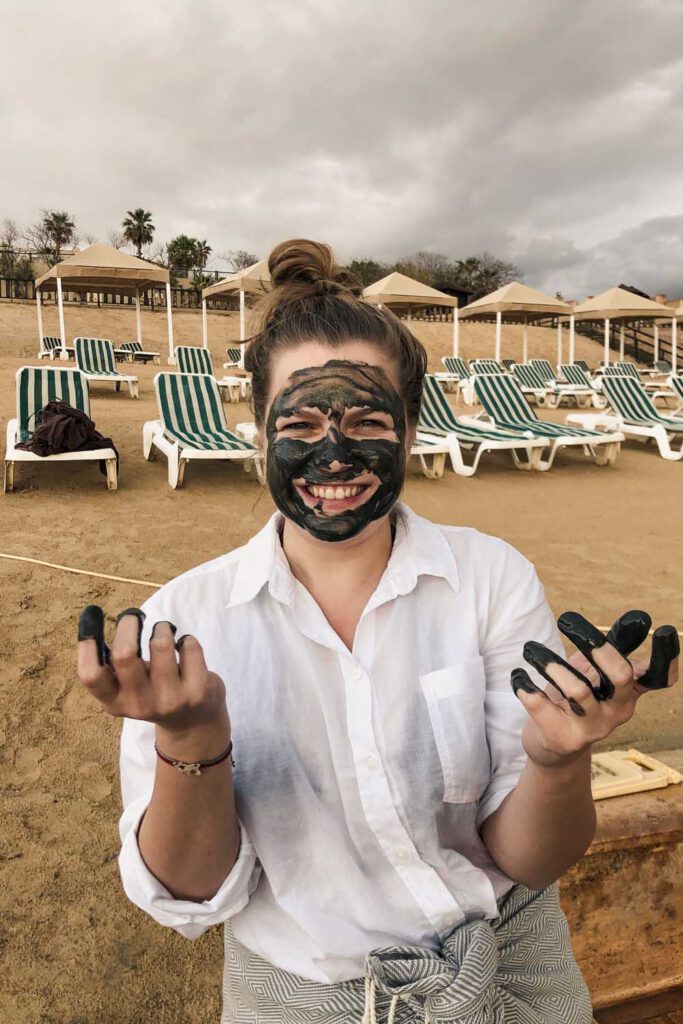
(174, 689)
(596, 691)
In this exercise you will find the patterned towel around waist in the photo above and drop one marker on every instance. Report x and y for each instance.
(517, 969)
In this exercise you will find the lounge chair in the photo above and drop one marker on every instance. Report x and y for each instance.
(628, 370)
(193, 359)
(53, 347)
(583, 364)
(95, 359)
(636, 416)
(438, 420)
(508, 364)
(36, 386)
(506, 407)
(488, 366)
(135, 353)
(575, 375)
(456, 375)
(191, 426)
(234, 358)
(660, 368)
(544, 368)
(531, 383)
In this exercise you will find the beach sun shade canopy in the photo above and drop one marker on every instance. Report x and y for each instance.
(619, 304)
(102, 268)
(255, 278)
(398, 290)
(514, 301)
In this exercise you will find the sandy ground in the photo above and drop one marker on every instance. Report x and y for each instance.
(73, 950)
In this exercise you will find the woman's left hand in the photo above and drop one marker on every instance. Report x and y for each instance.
(596, 690)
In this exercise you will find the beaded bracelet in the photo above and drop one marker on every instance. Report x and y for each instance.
(195, 767)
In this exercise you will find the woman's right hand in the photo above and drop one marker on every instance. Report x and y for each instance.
(174, 689)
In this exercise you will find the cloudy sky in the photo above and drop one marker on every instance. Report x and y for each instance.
(549, 132)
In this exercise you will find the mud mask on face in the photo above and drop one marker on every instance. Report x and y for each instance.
(336, 448)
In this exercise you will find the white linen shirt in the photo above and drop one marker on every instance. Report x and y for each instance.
(361, 776)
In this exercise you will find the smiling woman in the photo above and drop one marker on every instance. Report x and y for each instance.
(402, 796)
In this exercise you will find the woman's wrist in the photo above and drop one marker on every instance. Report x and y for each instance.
(195, 743)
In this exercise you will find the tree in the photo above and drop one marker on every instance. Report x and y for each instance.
(59, 228)
(202, 251)
(115, 238)
(138, 228)
(239, 259)
(482, 274)
(9, 236)
(182, 255)
(367, 270)
(427, 267)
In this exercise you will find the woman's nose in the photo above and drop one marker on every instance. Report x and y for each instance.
(336, 466)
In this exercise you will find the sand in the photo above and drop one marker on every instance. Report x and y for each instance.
(74, 951)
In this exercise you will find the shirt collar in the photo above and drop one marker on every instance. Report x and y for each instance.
(420, 549)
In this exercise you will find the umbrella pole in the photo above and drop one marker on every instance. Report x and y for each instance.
(621, 342)
(606, 342)
(456, 333)
(499, 322)
(241, 316)
(62, 328)
(138, 317)
(169, 317)
(674, 345)
(205, 329)
(559, 341)
(525, 340)
(656, 355)
(39, 308)
(571, 339)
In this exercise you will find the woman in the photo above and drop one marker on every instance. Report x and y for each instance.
(387, 837)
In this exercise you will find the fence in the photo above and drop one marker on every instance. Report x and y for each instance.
(12, 289)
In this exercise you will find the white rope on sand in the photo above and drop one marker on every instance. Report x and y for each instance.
(147, 583)
(83, 572)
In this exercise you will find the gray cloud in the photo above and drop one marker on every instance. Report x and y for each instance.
(547, 131)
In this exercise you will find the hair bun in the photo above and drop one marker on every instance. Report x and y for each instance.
(300, 268)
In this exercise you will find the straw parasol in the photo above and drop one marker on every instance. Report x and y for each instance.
(622, 305)
(518, 303)
(397, 291)
(253, 280)
(101, 268)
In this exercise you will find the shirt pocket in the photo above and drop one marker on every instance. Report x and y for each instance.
(455, 703)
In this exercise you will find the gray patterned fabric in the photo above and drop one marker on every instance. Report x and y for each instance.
(517, 969)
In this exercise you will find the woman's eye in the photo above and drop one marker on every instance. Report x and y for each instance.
(380, 424)
(301, 425)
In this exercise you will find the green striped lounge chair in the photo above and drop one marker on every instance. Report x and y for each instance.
(192, 427)
(532, 383)
(576, 376)
(583, 364)
(135, 353)
(488, 366)
(455, 374)
(627, 370)
(637, 416)
(36, 386)
(544, 369)
(437, 420)
(506, 407)
(234, 357)
(53, 347)
(195, 359)
(95, 359)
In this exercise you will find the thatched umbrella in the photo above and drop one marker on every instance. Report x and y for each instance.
(623, 306)
(517, 303)
(252, 281)
(400, 292)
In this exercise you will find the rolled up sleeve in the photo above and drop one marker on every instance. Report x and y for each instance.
(137, 768)
(519, 611)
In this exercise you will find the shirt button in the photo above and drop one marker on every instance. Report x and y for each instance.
(357, 672)
(372, 763)
(402, 855)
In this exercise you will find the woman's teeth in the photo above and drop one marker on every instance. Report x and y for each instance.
(335, 493)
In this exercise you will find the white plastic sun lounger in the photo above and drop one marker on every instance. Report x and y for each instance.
(505, 406)
(96, 361)
(134, 353)
(52, 347)
(456, 374)
(191, 426)
(636, 416)
(193, 359)
(36, 386)
(437, 420)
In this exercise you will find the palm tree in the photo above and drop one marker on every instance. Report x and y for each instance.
(202, 251)
(138, 228)
(59, 228)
